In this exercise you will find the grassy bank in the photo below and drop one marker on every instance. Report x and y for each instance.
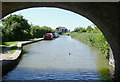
(13, 49)
(93, 39)
(6, 44)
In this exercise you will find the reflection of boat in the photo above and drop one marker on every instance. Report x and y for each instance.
(68, 34)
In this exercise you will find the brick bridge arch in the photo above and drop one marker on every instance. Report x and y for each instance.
(104, 15)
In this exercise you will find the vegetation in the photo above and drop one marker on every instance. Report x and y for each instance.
(81, 29)
(15, 28)
(13, 49)
(93, 37)
(38, 32)
(5, 44)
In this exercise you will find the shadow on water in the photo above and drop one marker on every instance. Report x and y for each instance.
(93, 69)
(9, 65)
(105, 73)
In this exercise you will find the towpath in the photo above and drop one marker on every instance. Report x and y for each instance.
(6, 55)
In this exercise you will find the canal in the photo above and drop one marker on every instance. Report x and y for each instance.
(63, 58)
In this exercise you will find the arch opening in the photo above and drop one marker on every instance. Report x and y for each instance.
(97, 18)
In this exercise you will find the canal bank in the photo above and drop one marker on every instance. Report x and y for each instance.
(97, 40)
(50, 60)
(8, 61)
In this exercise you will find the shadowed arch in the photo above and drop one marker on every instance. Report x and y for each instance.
(104, 15)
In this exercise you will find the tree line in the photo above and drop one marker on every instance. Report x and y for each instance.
(16, 28)
(89, 29)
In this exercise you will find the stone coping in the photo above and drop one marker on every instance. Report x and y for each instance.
(18, 51)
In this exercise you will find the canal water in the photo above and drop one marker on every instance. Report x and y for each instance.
(63, 58)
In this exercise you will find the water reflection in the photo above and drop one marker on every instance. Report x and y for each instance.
(50, 60)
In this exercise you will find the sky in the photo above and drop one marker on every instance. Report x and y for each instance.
(54, 17)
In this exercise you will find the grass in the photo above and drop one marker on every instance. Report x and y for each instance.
(9, 43)
(6, 44)
(13, 49)
(93, 39)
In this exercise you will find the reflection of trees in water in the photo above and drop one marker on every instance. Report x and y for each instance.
(11, 64)
(24, 52)
(106, 73)
(104, 69)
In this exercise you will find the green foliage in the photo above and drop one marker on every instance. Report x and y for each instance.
(38, 32)
(13, 28)
(13, 49)
(16, 28)
(94, 39)
(89, 29)
(82, 30)
(96, 30)
(79, 29)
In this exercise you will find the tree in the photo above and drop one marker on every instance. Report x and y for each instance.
(38, 32)
(15, 25)
(78, 29)
(83, 30)
(35, 31)
(96, 30)
(89, 29)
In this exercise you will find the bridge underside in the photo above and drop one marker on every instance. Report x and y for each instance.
(104, 15)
